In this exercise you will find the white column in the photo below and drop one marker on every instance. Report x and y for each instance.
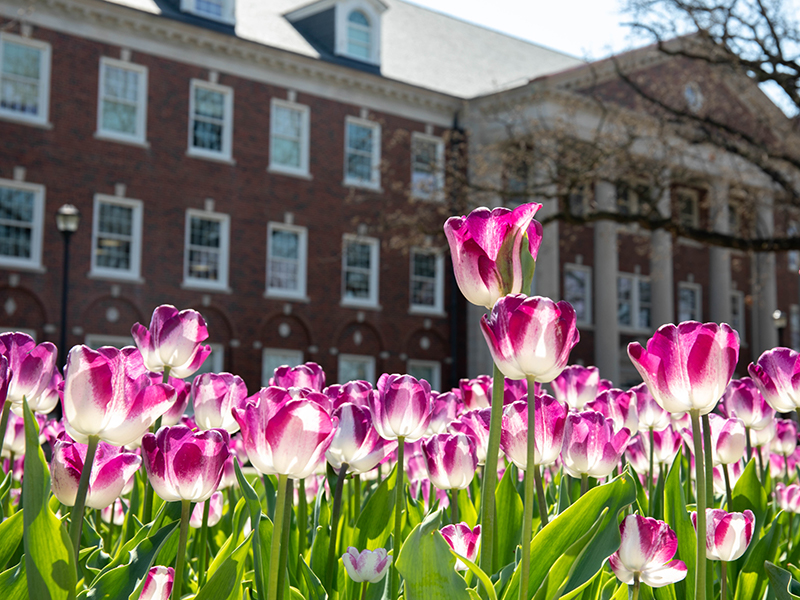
(547, 276)
(606, 265)
(766, 292)
(720, 258)
(479, 359)
(661, 279)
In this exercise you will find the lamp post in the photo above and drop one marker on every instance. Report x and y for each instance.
(67, 220)
(780, 320)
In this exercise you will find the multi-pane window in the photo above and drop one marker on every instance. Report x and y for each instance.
(286, 260)
(24, 78)
(210, 120)
(689, 302)
(122, 104)
(578, 291)
(633, 302)
(116, 237)
(429, 370)
(21, 209)
(359, 36)
(289, 148)
(218, 10)
(737, 312)
(427, 281)
(206, 253)
(354, 367)
(687, 203)
(427, 166)
(272, 358)
(362, 153)
(360, 271)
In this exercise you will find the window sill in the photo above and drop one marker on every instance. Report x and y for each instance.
(99, 135)
(25, 268)
(298, 174)
(227, 160)
(20, 120)
(360, 306)
(373, 187)
(118, 277)
(426, 312)
(205, 287)
(286, 297)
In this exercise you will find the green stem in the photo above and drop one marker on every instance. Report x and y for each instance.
(180, 559)
(4, 426)
(650, 503)
(454, 506)
(337, 508)
(357, 503)
(761, 464)
(728, 493)
(201, 559)
(584, 483)
(749, 445)
(527, 515)
(76, 516)
(394, 582)
(275, 551)
(363, 590)
(633, 590)
(542, 499)
(302, 517)
(723, 582)
(287, 528)
(700, 476)
(709, 462)
(490, 473)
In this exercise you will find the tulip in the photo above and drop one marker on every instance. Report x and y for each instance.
(14, 439)
(463, 541)
(788, 497)
(401, 407)
(309, 375)
(551, 418)
(727, 439)
(475, 423)
(31, 369)
(618, 406)
(477, 393)
(111, 470)
(491, 255)
(175, 412)
(743, 400)
(721, 483)
(50, 396)
(666, 445)
(646, 554)
(445, 410)
(651, 415)
(114, 513)
(785, 440)
(356, 442)
(576, 386)
(214, 396)
(158, 583)
(728, 534)
(214, 511)
(591, 447)
(450, 459)
(356, 392)
(775, 374)
(636, 454)
(367, 565)
(172, 343)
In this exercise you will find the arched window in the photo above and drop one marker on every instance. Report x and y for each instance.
(359, 36)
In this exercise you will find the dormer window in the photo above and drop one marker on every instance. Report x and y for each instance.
(216, 10)
(359, 36)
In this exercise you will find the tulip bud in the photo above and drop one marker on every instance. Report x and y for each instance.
(775, 376)
(618, 406)
(551, 418)
(576, 386)
(590, 445)
(735, 471)
(475, 423)
(451, 460)
(785, 440)
(728, 439)
(445, 410)
(116, 511)
(788, 497)
(26, 372)
(477, 393)
(651, 415)
(309, 375)
(743, 400)
(356, 442)
(463, 541)
(646, 549)
(368, 565)
(175, 412)
(356, 392)
(727, 534)
(158, 583)
(401, 407)
(214, 397)
(214, 511)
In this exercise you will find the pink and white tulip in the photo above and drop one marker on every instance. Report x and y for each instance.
(618, 406)
(651, 415)
(174, 414)
(309, 375)
(214, 511)
(788, 497)
(214, 396)
(450, 459)
(158, 583)
(477, 393)
(27, 371)
(463, 541)
(727, 534)
(785, 440)
(743, 400)
(735, 471)
(367, 565)
(591, 447)
(401, 407)
(356, 441)
(446, 407)
(551, 417)
(488, 247)
(114, 513)
(475, 423)
(530, 336)
(646, 550)
(576, 386)
(775, 374)
(728, 439)
(356, 392)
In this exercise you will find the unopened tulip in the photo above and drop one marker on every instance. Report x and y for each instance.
(309, 375)
(666, 445)
(475, 423)
(445, 410)
(185, 465)
(785, 440)
(591, 447)
(451, 460)
(646, 550)
(367, 565)
(493, 251)
(530, 336)
(775, 374)
(762, 437)
(477, 393)
(14, 439)
(356, 441)
(27, 370)
(214, 396)
(356, 392)
(401, 407)
(173, 341)
(290, 439)
(788, 497)
(114, 513)
(106, 394)
(214, 511)
(687, 367)
(463, 541)
(735, 471)
(111, 470)
(743, 400)
(175, 412)
(618, 406)
(728, 439)
(551, 418)
(158, 583)
(727, 534)
(651, 415)
(576, 386)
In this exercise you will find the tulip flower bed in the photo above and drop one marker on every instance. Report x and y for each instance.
(685, 486)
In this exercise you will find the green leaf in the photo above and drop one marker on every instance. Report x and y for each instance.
(509, 518)
(752, 580)
(466, 510)
(677, 517)
(748, 493)
(10, 536)
(415, 512)
(666, 592)
(373, 525)
(316, 591)
(484, 578)
(13, 583)
(49, 559)
(657, 504)
(319, 551)
(254, 506)
(226, 583)
(570, 526)
(428, 566)
(782, 583)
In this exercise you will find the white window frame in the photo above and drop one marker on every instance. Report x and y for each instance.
(140, 137)
(302, 260)
(369, 361)
(37, 227)
(436, 384)
(738, 297)
(305, 125)
(224, 250)
(44, 80)
(134, 272)
(343, 10)
(374, 182)
(636, 279)
(699, 295)
(694, 196)
(589, 289)
(374, 269)
(226, 153)
(98, 340)
(438, 307)
(266, 376)
(228, 11)
(437, 191)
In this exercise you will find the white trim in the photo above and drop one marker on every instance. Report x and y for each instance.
(587, 271)
(438, 307)
(737, 296)
(137, 207)
(221, 283)
(97, 340)
(140, 137)
(37, 226)
(436, 380)
(280, 353)
(635, 303)
(41, 118)
(426, 191)
(698, 289)
(302, 170)
(228, 11)
(302, 261)
(366, 361)
(374, 182)
(374, 269)
(343, 10)
(226, 152)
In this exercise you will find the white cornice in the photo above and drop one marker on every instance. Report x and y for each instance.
(155, 35)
